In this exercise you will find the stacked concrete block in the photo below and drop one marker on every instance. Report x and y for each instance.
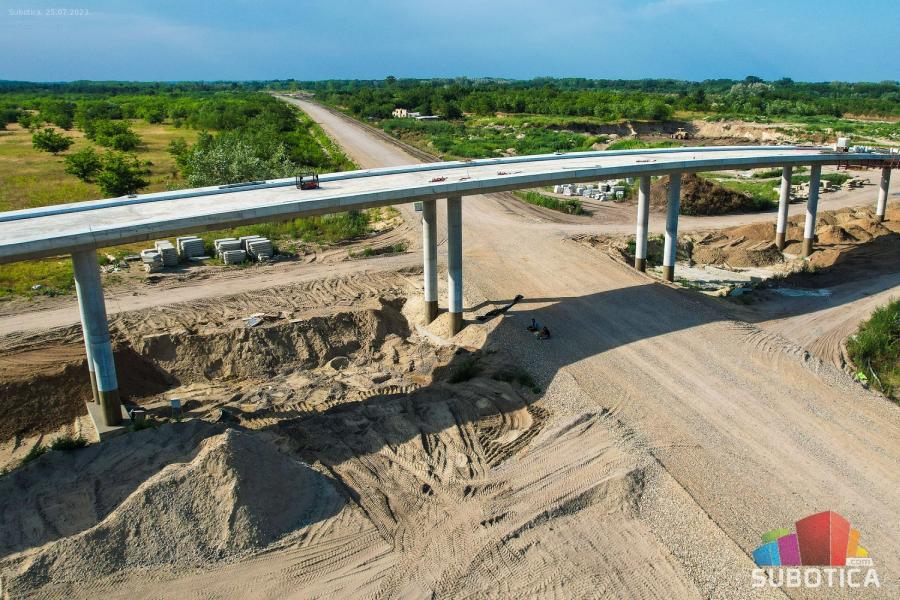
(260, 249)
(189, 247)
(246, 239)
(168, 252)
(152, 260)
(234, 257)
(226, 244)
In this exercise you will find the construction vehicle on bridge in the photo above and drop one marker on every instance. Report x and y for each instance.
(307, 181)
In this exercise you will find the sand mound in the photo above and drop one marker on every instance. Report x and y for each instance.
(831, 234)
(753, 245)
(237, 351)
(700, 196)
(238, 495)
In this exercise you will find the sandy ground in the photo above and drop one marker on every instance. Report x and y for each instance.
(666, 437)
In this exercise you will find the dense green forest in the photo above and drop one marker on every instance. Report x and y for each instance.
(647, 99)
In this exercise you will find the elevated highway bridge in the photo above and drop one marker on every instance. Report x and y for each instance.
(81, 228)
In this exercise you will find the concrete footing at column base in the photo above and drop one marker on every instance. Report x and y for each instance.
(779, 240)
(456, 323)
(807, 247)
(640, 264)
(879, 218)
(431, 311)
(668, 273)
(104, 431)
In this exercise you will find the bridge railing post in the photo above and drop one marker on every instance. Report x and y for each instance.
(673, 207)
(95, 328)
(643, 217)
(454, 263)
(883, 187)
(812, 203)
(783, 201)
(429, 258)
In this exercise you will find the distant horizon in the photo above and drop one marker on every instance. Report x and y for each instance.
(309, 40)
(438, 78)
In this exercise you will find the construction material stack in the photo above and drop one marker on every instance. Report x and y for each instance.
(260, 249)
(223, 245)
(189, 247)
(153, 261)
(234, 257)
(168, 252)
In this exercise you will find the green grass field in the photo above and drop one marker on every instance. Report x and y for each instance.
(30, 178)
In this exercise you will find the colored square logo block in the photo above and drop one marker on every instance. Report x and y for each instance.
(771, 536)
(767, 555)
(823, 539)
(789, 550)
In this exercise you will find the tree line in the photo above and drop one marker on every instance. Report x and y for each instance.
(650, 99)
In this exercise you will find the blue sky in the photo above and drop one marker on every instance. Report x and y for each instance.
(321, 39)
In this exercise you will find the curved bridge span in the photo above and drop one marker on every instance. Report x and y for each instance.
(80, 228)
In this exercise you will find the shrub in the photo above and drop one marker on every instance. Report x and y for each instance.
(84, 164)
(48, 140)
(466, 370)
(67, 443)
(875, 349)
(113, 134)
(570, 205)
(121, 175)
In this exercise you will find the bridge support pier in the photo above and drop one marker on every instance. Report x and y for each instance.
(883, 194)
(643, 216)
(784, 199)
(809, 227)
(671, 242)
(429, 258)
(454, 263)
(95, 329)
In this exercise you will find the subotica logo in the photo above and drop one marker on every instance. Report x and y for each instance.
(825, 545)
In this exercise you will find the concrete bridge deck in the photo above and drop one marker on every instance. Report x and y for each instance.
(48, 231)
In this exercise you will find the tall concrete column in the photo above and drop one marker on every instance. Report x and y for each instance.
(809, 228)
(671, 242)
(87, 348)
(429, 258)
(96, 333)
(883, 193)
(781, 227)
(643, 217)
(454, 263)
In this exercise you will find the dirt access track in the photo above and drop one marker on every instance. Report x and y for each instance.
(667, 439)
